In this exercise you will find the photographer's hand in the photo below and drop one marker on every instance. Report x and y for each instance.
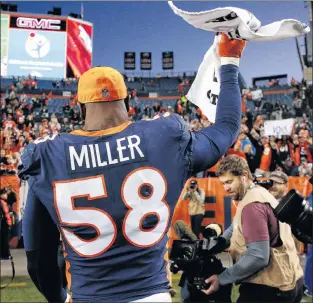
(215, 285)
(187, 195)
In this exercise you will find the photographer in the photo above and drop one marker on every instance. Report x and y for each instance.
(196, 210)
(11, 196)
(266, 262)
(280, 184)
(6, 223)
(279, 189)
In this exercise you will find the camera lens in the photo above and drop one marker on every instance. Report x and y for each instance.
(290, 207)
(187, 252)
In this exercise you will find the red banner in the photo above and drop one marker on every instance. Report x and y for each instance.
(79, 46)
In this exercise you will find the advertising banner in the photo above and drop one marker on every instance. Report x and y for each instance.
(4, 43)
(79, 46)
(145, 61)
(129, 60)
(168, 60)
(45, 23)
(37, 53)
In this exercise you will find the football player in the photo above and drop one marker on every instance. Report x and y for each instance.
(111, 188)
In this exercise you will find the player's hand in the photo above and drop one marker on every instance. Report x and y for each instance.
(215, 285)
(230, 48)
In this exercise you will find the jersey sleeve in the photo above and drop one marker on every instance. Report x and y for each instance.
(178, 128)
(202, 149)
(207, 146)
(30, 162)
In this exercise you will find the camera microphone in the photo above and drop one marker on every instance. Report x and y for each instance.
(212, 230)
(183, 231)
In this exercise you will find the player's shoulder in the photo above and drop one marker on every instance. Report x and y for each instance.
(31, 156)
(168, 120)
(30, 161)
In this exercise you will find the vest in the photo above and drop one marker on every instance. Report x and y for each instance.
(195, 207)
(284, 268)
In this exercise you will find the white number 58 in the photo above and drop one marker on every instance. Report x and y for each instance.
(139, 207)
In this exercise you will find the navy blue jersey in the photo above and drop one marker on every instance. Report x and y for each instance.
(112, 193)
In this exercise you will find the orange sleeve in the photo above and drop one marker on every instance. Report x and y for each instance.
(296, 156)
(266, 158)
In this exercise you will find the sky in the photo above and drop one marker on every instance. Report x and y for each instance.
(153, 27)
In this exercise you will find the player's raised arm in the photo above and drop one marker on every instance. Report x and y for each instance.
(41, 238)
(212, 142)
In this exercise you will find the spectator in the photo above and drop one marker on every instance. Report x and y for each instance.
(195, 196)
(305, 168)
(25, 117)
(297, 105)
(148, 111)
(253, 165)
(278, 110)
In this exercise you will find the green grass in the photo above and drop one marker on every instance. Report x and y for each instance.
(22, 289)
(175, 281)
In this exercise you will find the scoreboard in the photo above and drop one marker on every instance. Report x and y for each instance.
(45, 46)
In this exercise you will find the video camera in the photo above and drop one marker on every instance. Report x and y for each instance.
(294, 210)
(197, 259)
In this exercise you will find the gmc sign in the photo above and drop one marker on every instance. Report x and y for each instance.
(38, 23)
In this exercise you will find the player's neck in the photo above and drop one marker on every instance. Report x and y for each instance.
(104, 124)
(100, 117)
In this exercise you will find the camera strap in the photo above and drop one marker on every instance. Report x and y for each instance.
(13, 271)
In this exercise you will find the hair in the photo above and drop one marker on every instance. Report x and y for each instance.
(235, 165)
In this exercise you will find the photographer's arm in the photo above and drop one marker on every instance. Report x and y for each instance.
(200, 196)
(256, 234)
(255, 259)
(228, 232)
(186, 195)
(41, 239)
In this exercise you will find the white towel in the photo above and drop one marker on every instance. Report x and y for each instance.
(238, 24)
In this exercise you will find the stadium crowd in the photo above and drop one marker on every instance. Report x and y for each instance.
(25, 117)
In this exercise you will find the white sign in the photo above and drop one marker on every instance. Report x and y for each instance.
(278, 128)
(257, 95)
(153, 95)
(67, 94)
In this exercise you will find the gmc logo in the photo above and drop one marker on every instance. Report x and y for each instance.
(38, 24)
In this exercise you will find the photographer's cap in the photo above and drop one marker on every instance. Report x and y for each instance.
(101, 84)
(279, 177)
